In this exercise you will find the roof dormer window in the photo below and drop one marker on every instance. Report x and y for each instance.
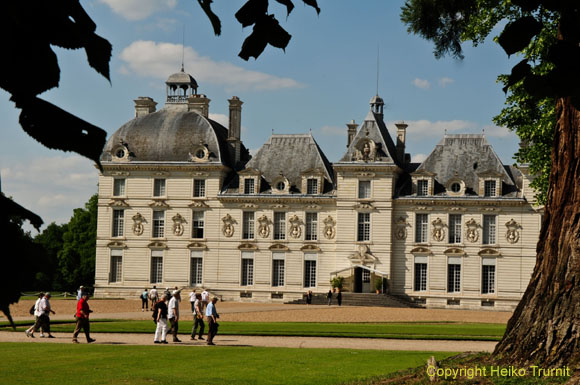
(422, 187)
(312, 186)
(249, 186)
(455, 187)
(490, 188)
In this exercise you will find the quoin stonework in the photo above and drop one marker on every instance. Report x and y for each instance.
(182, 203)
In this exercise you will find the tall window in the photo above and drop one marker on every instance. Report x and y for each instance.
(420, 273)
(421, 228)
(196, 268)
(312, 186)
(279, 225)
(159, 188)
(249, 187)
(309, 270)
(116, 265)
(364, 189)
(455, 228)
(118, 221)
(422, 187)
(364, 227)
(158, 224)
(247, 268)
(248, 225)
(489, 188)
(118, 187)
(310, 233)
(454, 274)
(156, 266)
(198, 224)
(199, 188)
(278, 269)
(488, 276)
(489, 230)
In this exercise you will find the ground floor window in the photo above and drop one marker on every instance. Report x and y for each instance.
(247, 268)
(453, 278)
(310, 270)
(278, 269)
(116, 271)
(196, 277)
(156, 266)
(420, 273)
(488, 276)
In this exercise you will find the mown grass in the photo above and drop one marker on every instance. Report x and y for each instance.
(65, 364)
(429, 331)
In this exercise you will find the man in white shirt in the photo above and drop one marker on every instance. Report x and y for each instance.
(45, 309)
(153, 296)
(198, 318)
(37, 322)
(173, 314)
(205, 297)
(192, 297)
(212, 316)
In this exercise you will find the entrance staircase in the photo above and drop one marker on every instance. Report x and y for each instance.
(359, 299)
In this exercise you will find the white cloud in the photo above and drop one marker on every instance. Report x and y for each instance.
(139, 9)
(421, 83)
(444, 82)
(224, 120)
(159, 60)
(426, 128)
(500, 132)
(50, 186)
(418, 158)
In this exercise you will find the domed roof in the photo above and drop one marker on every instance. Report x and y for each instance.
(376, 100)
(169, 135)
(181, 77)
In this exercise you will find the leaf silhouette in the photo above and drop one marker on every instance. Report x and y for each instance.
(517, 35)
(215, 21)
(99, 54)
(251, 12)
(266, 31)
(313, 4)
(289, 6)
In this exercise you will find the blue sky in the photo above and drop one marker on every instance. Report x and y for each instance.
(325, 78)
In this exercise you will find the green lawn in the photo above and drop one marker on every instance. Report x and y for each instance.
(64, 364)
(432, 331)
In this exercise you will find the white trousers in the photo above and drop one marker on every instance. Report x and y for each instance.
(161, 328)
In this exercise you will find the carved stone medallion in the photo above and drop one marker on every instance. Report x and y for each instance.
(138, 221)
(438, 230)
(178, 222)
(329, 227)
(295, 230)
(228, 227)
(263, 226)
(471, 233)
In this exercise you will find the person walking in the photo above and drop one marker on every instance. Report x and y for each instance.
(145, 300)
(212, 316)
(329, 297)
(198, 318)
(44, 310)
(82, 316)
(204, 298)
(192, 297)
(37, 321)
(173, 314)
(80, 291)
(309, 297)
(153, 296)
(339, 297)
(160, 313)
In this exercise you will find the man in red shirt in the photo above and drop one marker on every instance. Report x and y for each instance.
(83, 312)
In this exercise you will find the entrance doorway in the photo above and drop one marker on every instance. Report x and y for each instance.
(358, 284)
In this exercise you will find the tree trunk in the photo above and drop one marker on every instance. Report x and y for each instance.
(545, 326)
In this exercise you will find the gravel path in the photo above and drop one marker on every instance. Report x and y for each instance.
(288, 342)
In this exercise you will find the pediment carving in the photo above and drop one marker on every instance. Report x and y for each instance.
(248, 246)
(157, 245)
(278, 247)
(197, 246)
(420, 250)
(363, 256)
(198, 204)
(310, 248)
(364, 206)
(248, 206)
(454, 251)
(117, 245)
(159, 204)
(118, 202)
(489, 253)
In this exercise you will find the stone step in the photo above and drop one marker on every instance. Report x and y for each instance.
(359, 299)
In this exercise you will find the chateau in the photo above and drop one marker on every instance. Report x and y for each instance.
(182, 203)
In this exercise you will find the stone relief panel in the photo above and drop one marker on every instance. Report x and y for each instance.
(138, 221)
(228, 226)
(178, 222)
(401, 228)
(295, 229)
(329, 228)
(512, 235)
(438, 231)
(471, 232)
(366, 150)
(264, 226)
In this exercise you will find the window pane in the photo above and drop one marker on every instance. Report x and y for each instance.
(158, 224)
(311, 226)
(279, 226)
(455, 228)
(489, 230)
(364, 189)
(420, 276)
(422, 187)
(196, 271)
(248, 225)
(278, 272)
(199, 188)
(488, 279)
(159, 188)
(312, 186)
(421, 228)
(119, 187)
(309, 273)
(116, 268)
(118, 221)
(198, 224)
(249, 186)
(247, 272)
(453, 278)
(364, 227)
(156, 269)
(489, 188)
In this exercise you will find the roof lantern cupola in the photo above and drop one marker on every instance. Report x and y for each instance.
(180, 86)
(377, 105)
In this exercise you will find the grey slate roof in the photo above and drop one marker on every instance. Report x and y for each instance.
(373, 128)
(464, 156)
(181, 78)
(169, 135)
(290, 155)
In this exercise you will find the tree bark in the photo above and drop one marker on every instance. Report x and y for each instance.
(545, 327)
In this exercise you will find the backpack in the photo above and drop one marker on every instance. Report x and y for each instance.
(31, 311)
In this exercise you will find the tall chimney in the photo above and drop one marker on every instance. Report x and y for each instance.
(352, 126)
(144, 105)
(235, 125)
(401, 135)
(198, 103)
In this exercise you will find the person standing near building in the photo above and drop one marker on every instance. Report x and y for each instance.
(160, 316)
(198, 318)
(339, 297)
(145, 300)
(173, 314)
(192, 297)
(45, 310)
(80, 292)
(153, 296)
(82, 316)
(309, 297)
(329, 297)
(37, 321)
(212, 316)
(205, 298)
